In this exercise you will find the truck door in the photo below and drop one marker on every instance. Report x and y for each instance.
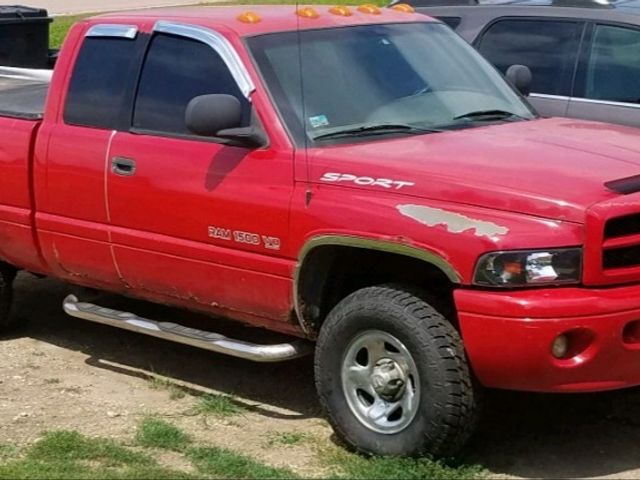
(74, 142)
(197, 221)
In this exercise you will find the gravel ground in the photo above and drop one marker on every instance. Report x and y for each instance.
(63, 373)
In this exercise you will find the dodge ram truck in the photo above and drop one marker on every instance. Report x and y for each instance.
(358, 179)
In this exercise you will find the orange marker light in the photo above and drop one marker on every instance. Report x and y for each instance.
(307, 12)
(341, 10)
(370, 9)
(249, 17)
(403, 7)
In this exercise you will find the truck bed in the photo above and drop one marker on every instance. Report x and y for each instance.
(23, 93)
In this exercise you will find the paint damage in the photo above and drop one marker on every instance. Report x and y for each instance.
(453, 222)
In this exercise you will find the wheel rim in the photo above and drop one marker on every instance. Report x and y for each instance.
(380, 382)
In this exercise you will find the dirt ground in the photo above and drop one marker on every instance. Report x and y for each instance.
(63, 373)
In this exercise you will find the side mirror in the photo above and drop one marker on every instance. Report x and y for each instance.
(221, 116)
(520, 77)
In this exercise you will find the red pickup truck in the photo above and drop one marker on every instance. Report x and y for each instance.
(354, 177)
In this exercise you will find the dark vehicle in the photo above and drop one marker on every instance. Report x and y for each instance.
(584, 56)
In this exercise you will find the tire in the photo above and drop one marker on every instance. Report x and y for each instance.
(436, 411)
(7, 275)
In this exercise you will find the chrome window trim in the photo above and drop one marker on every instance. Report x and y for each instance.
(219, 44)
(585, 100)
(113, 30)
(549, 97)
(605, 102)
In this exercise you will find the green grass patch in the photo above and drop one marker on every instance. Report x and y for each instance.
(8, 452)
(157, 433)
(286, 438)
(72, 447)
(60, 27)
(350, 466)
(70, 455)
(218, 462)
(219, 406)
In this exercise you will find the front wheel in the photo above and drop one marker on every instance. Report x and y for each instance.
(392, 375)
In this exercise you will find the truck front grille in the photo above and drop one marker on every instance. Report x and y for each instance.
(621, 247)
(622, 226)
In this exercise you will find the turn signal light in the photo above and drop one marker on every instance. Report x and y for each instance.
(249, 17)
(307, 12)
(370, 9)
(341, 10)
(403, 7)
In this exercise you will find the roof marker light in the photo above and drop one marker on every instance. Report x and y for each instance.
(370, 9)
(341, 10)
(307, 12)
(403, 7)
(249, 17)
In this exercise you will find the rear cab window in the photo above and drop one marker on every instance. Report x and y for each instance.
(102, 80)
(548, 47)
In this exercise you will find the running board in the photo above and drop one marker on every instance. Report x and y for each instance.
(189, 336)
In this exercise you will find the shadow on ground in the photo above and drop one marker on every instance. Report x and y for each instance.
(528, 435)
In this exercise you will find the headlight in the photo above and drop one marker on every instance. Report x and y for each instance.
(529, 268)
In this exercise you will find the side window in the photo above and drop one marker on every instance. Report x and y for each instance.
(548, 48)
(613, 69)
(453, 22)
(99, 81)
(176, 71)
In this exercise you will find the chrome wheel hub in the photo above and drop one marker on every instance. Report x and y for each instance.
(380, 382)
(388, 380)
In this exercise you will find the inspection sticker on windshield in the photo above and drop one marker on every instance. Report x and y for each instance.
(319, 121)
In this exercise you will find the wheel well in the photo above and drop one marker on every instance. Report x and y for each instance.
(332, 272)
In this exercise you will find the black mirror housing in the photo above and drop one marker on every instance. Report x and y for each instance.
(520, 77)
(207, 115)
(221, 116)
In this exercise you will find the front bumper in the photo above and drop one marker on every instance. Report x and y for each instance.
(508, 337)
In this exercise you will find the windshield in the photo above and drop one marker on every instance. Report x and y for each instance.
(385, 79)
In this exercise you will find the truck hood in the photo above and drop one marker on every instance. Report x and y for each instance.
(552, 168)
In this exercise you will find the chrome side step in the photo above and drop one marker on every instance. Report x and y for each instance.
(189, 336)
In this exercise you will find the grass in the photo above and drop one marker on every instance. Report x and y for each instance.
(350, 466)
(157, 433)
(176, 392)
(70, 455)
(286, 438)
(60, 27)
(221, 463)
(219, 406)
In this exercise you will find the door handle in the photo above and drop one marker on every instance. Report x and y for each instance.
(123, 166)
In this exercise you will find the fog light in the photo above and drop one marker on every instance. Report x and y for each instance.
(560, 346)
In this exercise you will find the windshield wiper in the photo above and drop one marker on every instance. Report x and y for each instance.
(489, 115)
(379, 129)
